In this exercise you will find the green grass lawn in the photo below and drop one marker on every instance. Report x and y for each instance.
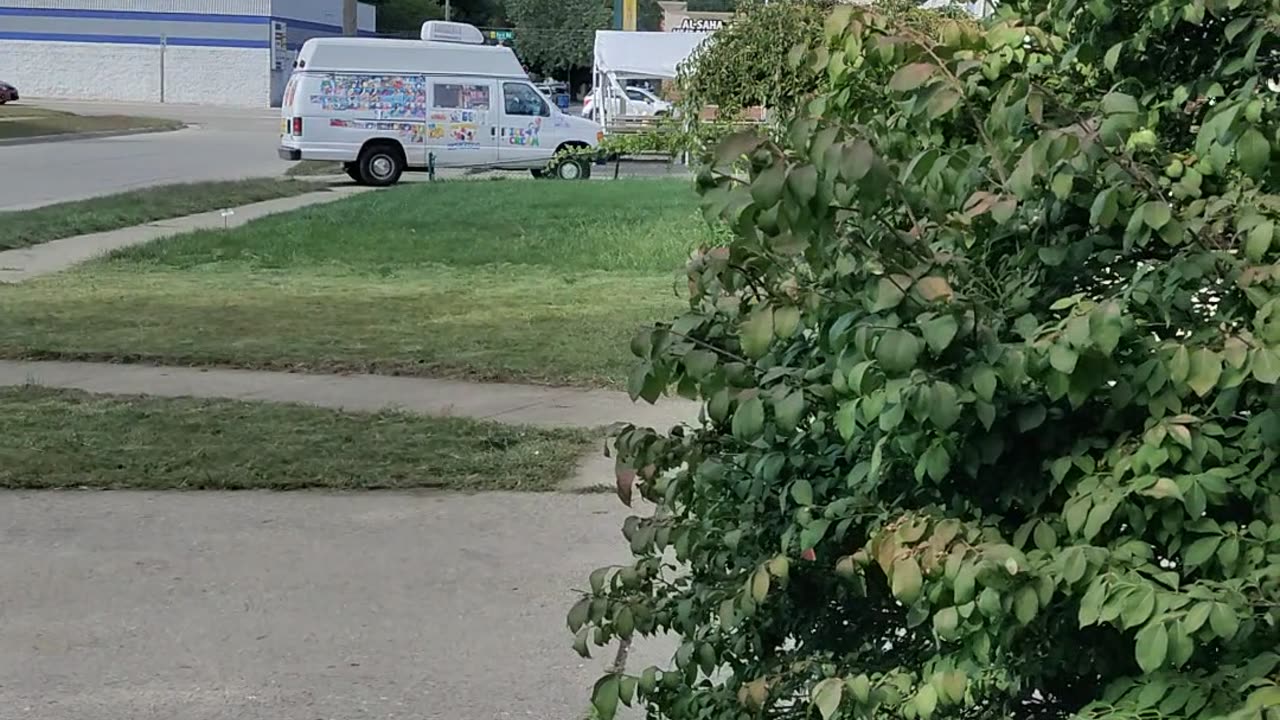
(68, 439)
(22, 228)
(496, 280)
(26, 121)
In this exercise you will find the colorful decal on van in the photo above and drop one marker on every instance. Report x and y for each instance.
(411, 132)
(389, 96)
(290, 90)
(525, 136)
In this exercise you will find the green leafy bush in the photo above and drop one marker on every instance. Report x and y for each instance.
(991, 372)
(745, 64)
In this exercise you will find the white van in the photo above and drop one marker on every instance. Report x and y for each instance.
(382, 107)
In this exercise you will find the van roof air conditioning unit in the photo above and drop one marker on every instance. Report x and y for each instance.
(451, 32)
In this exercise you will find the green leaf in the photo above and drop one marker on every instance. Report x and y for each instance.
(1254, 152)
(1201, 550)
(605, 697)
(939, 332)
(962, 591)
(786, 320)
(945, 622)
(1258, 241)
(926, 702)
(1117, 103)
(1026, 604)
(1151, 647)
(757, 333)
(897, 351)
(1045, 538)
(802, 181)
(1112, 57)
(802, 492)
(942, 102)
(1266, 365)
(1138, 607)
(944, 405)
(910, 77)
(1204, 372)
(937, 462)
(1180, 365)
(1105, 208)
(1224, 621)
(760, 585)
(1063, 358)
(1030, 417)
(788, 411)
(1156, 213)
(890, 293)
(699, 363)
(856, 160)
(766, 189)
(907, 580)
(826, 696)
(984, 382)
(579, 615)
(748, 420)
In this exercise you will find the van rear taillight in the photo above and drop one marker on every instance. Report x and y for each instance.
(297, 126)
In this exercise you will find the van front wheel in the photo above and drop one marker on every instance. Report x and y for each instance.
(380, 165)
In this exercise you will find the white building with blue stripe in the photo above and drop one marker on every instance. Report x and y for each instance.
(215, 52)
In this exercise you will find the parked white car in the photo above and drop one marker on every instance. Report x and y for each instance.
(639, 103)
(382, 107)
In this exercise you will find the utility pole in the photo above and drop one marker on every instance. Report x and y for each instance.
(447, 10)
(350, 23)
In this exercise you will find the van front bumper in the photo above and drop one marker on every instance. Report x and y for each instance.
(288, 153)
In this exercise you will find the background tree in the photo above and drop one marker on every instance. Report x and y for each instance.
(990, 360)
(712, 5)
(556, 36)
(405, 17)
(745, 64)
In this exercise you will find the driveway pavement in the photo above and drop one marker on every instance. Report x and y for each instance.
(221, 144)
(296, 606)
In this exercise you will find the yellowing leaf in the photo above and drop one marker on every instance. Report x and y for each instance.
(934, 289)
(757, 333)
(1204, 372)
(826, 696)
(910, 77)
(760, 585)
(907, 580)
(786, 320)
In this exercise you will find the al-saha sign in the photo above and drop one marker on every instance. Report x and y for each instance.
(676, 17)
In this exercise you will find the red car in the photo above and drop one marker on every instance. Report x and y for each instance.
(7, 93)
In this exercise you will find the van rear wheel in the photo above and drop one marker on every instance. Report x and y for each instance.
(380, 165)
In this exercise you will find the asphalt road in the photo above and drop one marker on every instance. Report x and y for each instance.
(297, 606)
(219, 144)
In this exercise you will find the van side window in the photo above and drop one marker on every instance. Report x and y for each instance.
(522, 99)
(461, 97)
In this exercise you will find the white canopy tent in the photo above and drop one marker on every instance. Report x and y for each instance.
(622, 55)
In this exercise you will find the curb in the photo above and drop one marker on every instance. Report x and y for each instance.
(68, 137)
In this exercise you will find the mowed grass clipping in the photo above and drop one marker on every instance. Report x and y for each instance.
(69, 439)
(513, 280)
(23, 228)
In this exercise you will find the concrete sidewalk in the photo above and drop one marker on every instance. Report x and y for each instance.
(507, 403)
(299, 606)
(58, 255)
